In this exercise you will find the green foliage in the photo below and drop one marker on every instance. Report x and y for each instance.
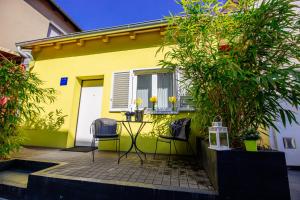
(161, 124)
(239, 61)
(251, 134)
(21, 97)
(52, 121)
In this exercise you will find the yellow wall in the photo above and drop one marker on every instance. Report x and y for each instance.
(45, 138)
(96, 60)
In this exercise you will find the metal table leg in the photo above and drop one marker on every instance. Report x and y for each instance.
(131, 146)
(136, 136)
(134, 142)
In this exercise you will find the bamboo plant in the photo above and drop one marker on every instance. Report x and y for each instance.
(240, 60)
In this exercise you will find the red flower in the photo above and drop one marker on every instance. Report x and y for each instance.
(224, 47)
(23, 67)
(3, 101)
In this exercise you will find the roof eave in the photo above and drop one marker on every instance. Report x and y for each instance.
(92, 33)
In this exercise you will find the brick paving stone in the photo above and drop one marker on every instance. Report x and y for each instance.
(184, 185)
(175, 184)
(167, 183)
(202, 187)
(132, 180)
(149, 181)
(124, 179)
(140, 180)
(192, 182)
(193, 186)
(157, 181)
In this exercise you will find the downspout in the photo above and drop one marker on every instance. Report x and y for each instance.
(26, 55)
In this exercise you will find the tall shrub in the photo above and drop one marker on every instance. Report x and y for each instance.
(21, 98)
(239, 60)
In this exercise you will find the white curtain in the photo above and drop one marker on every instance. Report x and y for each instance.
(164, 90)
(144, 89)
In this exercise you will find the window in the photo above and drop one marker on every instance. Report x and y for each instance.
(144, 89)
(165, 86)
(53, 31)
(289, 143)
(155, 84)
(144, 83)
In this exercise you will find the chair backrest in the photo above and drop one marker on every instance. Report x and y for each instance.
(181, 128)
(104, 127)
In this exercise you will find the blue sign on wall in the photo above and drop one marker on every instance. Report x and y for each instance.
(63, 81)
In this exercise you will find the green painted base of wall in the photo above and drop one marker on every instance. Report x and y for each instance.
(146, 144)
(43, 138)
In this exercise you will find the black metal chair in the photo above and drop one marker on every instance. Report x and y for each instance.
(104, 129)
(179, 131)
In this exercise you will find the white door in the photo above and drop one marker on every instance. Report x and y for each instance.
(89, 110)
(288, 140)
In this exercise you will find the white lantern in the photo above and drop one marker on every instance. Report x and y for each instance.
(218, 135)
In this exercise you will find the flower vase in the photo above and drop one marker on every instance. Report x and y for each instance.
(173, 108)
(139, 115)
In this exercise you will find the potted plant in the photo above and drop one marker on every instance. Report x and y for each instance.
(250, 137)
(173, 101)
(153, 100)
(138, 113)
(128, 115)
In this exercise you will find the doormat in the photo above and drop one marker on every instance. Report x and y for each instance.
(80, 149)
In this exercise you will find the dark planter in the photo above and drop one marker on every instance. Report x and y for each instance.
(242, 175)
(17, 189)
(129, 115)
(139, 115)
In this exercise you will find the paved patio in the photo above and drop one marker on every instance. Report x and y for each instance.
(182, 173)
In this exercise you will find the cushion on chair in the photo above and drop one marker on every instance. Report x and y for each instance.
(182, 134)
(180, 129)
(104, 127)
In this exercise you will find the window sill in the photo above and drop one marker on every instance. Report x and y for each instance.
(180, 110)
(163, 112)
(186, 110)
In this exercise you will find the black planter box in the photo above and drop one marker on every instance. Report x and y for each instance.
(242, 175)
(27, 167)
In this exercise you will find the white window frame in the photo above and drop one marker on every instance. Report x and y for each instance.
(154, 71)
(133, 87)
(51, 23)
(181, 109)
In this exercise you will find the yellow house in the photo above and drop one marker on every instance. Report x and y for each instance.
(99, 74)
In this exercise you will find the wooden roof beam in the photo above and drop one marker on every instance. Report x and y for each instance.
(80, 43)
(105, 39)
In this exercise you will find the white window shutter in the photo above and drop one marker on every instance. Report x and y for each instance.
(185, 103)
(120, 91)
